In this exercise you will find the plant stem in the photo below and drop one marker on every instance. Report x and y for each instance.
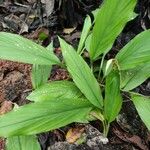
(105, 128)
(91, 64)
(100, 67)
(82, 51)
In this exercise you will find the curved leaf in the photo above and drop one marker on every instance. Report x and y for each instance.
(110, 20)
(142, 105)
(113, 99)
(44, 116)
(132, 78)
(136, 52)
(57, 89)
(16, 48)
(85, 31)
(81, 74)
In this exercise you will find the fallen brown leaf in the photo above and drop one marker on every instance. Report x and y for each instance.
(133, 139)
(74, 134)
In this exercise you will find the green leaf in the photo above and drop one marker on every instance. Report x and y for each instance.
(40, 75)
(81, 74)
(43, 116)
(142, 105)
(110, 21)
(88, 41)
(132, 78)
(136, 52)
(22, 143)
(85, 31)
(57, 89)
(95, 12)
(108, 66)
(43, 36)
(50, 48)
(16, 48)
(113, 100)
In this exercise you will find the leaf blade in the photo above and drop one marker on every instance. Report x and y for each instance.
(132, 78)
(136, 52)
(16, 48)
(82, 75)
(142, 105)
(57, 89)
(85, 31)
(109, 23)
(113, 100)
(44, 116)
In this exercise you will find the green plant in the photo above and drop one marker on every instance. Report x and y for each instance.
(59, 103)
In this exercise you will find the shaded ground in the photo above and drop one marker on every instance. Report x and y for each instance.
(30, 19)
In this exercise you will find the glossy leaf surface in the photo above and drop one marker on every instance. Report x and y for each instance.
(113, 100)
(85, 31)
(142, 105)
(132, 78)
(16, 48)
(136, 52)
(81, 74)
(57, 89)
(44, 116)
(110, 21)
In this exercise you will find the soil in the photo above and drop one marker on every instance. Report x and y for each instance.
(127, 132)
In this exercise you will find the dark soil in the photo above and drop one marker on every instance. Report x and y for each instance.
(28, 18)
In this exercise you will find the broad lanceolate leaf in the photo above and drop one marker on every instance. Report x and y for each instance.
(142, 105)
(81, 74)
(84, 34)
(113, 100)
(22, 143)
(136, 52)
(110, 20)
(132, 78)
(40, 75)
(57, 89)
(44, 116)
(16, 48)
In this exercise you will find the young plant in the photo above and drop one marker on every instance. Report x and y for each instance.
(59, 103)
